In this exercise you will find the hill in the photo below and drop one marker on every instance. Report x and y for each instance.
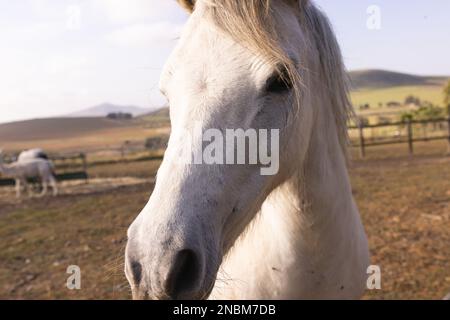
(60, 128)
(80, 134)
(104, 109)
(159, 113)
(377, 79)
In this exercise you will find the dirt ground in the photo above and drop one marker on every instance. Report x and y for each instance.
(404, 202)
(405, 206)
(76, 187)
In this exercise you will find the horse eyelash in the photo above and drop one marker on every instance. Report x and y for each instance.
(279, 83)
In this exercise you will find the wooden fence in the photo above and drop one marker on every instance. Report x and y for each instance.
(410, 138)
(72, 167)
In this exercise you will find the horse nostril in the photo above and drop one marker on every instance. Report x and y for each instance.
(183, 275)
(136, 268)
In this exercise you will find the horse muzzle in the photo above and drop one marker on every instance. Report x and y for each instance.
(175, 273)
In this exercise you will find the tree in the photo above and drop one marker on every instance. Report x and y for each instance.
(426, 112)
(412, 100)
(406, 116)
(447, 94)
(157, 143)
(119, 116)
(429, 112)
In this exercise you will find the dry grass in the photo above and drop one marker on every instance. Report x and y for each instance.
(101, 140)
(405, 206)
(374, 96)
(399, 152)
(42, 238)
(404, 203)
(139, 169)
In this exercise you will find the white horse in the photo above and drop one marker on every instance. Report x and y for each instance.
(26, 169)
(226, 231)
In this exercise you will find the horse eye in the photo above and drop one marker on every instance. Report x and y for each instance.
(278, 83)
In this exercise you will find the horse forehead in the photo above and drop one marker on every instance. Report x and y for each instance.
(211, 50)
(210, 72)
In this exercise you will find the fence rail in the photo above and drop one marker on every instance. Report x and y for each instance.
(409, 139)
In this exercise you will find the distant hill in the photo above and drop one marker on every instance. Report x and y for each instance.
(71, 127)
(39, 129)
(157, 118)
(104, 109)
(377, 79)
(162, 112)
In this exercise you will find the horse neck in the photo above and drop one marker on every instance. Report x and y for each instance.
(8, 170)
(305, 221)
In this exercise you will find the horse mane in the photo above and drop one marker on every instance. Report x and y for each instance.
(333, 72)
(252, 23)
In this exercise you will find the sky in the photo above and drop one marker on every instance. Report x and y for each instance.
(61, 56)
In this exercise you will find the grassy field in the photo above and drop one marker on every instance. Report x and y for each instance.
(404, 202)
(373, 97)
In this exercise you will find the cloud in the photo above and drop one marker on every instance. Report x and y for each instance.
(31, 33)
(145, 22)
(141, 35)
(46, 8)
(66, 64)
(132, 11)
(48, 67)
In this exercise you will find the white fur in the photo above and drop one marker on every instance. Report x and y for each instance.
(30, 154)
(295, 235)
(22, 170)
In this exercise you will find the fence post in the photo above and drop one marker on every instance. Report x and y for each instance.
(410, 136)
(448, 127)
(85, 165)
(362, 143)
